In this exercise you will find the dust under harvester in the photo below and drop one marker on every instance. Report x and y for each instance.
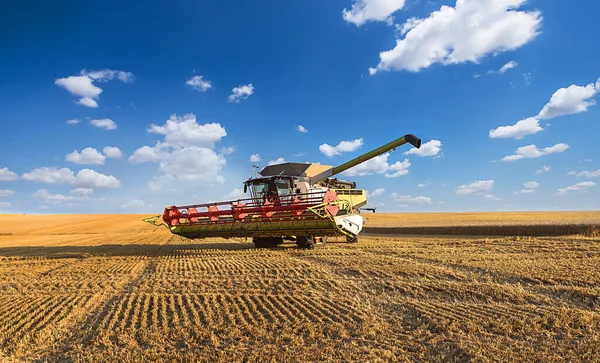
(298, 202)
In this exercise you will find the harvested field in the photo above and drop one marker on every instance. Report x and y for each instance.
(111, 288)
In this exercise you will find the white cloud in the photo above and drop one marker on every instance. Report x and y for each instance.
(185, 131)
(6, 193)
(532, 151)
(342, 147)
(236, 193)
(43, 207)
(85, 178)
(409, 199)
(431, 148)
(187, 151)
(470, 31)
(363, 11)
(136, 204)
(160, 182)
(198, 83)
(255, 158)
(376, 193)
(491, 197)
(302, 129)
(5, 205)
(380, 165)
(570, 100)
(543, 169)
(48, 197)
(241, 92)
(585, 161)
(423, 185)
(87, 156)
(400, 168)
(72, 121)
(83, 85)
(582, 187)
(104, 123)
(112, 152)
(528, 188)
(477, 187)
(565, 101)
(585, 173)
(82, 191)
(194, 163)
(518, 131)
(227, 150)
(504, 68)
(279, 160)
(7, 175)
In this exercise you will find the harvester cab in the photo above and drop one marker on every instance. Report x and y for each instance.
(301, 202)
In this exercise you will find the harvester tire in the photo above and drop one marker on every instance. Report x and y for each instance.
(353, 239)
(267, 242)
(307, 242)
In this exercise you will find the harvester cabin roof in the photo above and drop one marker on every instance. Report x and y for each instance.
(294, 169)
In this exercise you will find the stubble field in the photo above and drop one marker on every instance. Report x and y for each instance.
(111, 288)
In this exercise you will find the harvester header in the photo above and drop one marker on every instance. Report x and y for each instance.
(289, 201)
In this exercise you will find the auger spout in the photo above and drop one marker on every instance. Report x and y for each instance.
(409, 138)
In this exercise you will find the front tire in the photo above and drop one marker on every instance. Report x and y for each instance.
(307, 242)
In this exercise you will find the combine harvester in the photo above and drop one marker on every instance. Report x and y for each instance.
(289, 201)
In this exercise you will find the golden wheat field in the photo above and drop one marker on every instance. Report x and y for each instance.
(107, 288)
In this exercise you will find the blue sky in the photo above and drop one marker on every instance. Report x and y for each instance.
(171, 101)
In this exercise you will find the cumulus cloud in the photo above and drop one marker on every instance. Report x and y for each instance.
(376, 193)
(543, 169)
(504, 68)
(476, 187)
(87, 156)
(7, 175)
(410, 199)
(255, 158)
(185, 131)
(342, 147)
(363, 11)
(241, 92)
(585, 173)
(5, 205)
(380, 165)
(105, 123)
(431, 148)
(198, 83)
(160, 182)
(85, 178)
(565, 101)
(279, 160)
(491, 197)
(48, 197)
(83, 85)
(112, 152)
(302, 129)
(72, 121)
(6, 193)
(570, 100)
(518, 131)
(187, 151)
(582, 187)
(82, 191)
(528, 188)
(532, 151)
(468, 32)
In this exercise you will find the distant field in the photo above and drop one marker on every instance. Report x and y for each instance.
(107, 288)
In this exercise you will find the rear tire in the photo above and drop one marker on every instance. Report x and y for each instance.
(307, 242)
(267, 242)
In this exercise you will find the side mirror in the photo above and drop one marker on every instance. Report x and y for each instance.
(245, 188)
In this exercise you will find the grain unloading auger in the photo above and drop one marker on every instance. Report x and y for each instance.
(289, 201)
